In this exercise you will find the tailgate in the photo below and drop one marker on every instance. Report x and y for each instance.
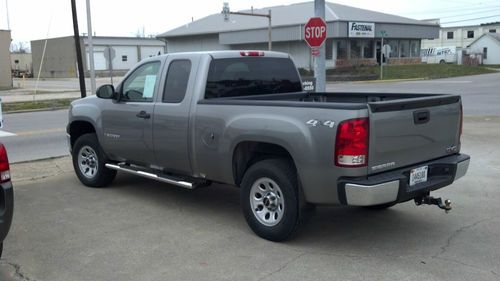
(409, 131)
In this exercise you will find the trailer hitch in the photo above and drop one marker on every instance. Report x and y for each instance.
(429, 200)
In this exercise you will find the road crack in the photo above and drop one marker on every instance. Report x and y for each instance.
(19, 273)
(283, 266)
(455, 233)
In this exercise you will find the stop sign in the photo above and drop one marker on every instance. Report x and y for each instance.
(315, 32)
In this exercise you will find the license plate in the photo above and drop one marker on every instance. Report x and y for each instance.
(418, 175)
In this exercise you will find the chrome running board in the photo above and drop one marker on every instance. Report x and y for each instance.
(162, 178)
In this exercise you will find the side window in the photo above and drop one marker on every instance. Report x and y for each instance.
(177, 81)
(140, 86)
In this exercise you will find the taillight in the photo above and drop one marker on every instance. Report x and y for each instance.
(461, 123)
(351, 145)
(4, 165)
(252, 54)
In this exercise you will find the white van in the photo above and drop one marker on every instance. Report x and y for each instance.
(439, 55)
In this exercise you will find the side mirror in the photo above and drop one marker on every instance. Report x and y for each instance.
(106, 92)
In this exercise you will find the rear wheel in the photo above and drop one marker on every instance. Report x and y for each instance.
(89, 162)
(442, 62)
(270, 199)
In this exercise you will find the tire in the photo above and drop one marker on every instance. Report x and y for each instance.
(89, 161)
(270, 199)
(1, 249)
(380, 207)
(442, 62)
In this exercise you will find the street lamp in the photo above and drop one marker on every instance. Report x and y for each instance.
(226, 12)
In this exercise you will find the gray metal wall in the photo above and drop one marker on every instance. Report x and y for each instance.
(59, 60)
(334, 30)
(299, 50)
(208, 42)
(5, 75)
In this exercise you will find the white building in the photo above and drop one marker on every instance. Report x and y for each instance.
(344, 47)
(460, 36)
(59, 59)
(488, 46)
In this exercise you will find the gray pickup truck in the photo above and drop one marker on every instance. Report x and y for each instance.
(242, 118)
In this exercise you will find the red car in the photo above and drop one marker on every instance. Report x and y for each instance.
(6, 196)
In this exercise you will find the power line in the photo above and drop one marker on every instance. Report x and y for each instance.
(468, 14)
(455, 9)
(480, 18)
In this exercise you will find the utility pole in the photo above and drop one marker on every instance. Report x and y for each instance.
(91, 50)
(226, 12)
(319, 61)
(7, 11)
(81, 74)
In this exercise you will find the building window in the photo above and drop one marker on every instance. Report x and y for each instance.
(485, 53)
(394, 48)
(493, 31)
(415, 48)
(355, 49)
(470, 34)
(404, 48)
(368, 49)
(329, 49)
(449, 35)
(124, 58)
(342, 49)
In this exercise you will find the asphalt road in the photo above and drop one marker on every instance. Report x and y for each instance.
(138, 229)
(35, 135)
(480, 93)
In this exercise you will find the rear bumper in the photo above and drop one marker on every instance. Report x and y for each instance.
(393, 186)
(6, 208)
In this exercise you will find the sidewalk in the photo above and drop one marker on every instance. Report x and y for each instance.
(49, 89)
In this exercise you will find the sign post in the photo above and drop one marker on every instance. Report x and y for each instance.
(382, 53)
(315, 36)
(109, 55)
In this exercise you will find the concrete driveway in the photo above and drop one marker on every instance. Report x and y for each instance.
(143, 230)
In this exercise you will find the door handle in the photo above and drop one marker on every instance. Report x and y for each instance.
(143, 114)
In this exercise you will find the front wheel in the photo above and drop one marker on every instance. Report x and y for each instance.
(89, 162)
(270, 199)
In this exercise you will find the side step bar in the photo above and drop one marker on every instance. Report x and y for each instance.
(161, 178)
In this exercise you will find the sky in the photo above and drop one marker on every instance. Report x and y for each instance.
(37, 19)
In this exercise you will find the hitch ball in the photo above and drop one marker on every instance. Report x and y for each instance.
(429, 200)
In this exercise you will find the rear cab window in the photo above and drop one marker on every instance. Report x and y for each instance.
(177, 81)
(251, 76)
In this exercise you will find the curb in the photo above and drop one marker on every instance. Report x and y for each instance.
(391, 80)
(36, 110)
(41, 160)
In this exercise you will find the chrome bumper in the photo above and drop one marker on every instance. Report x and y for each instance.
(368, 195)
(387, 192)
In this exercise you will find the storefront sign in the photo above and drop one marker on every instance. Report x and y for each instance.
(361, 29)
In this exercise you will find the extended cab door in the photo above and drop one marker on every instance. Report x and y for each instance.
(171, 115)
(128, 123)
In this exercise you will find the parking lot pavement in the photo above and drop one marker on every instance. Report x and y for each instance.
(143, 230)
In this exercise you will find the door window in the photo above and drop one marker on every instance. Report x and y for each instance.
(140, 86)
(177, 81)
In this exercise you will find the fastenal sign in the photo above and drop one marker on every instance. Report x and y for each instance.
(361, 29)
